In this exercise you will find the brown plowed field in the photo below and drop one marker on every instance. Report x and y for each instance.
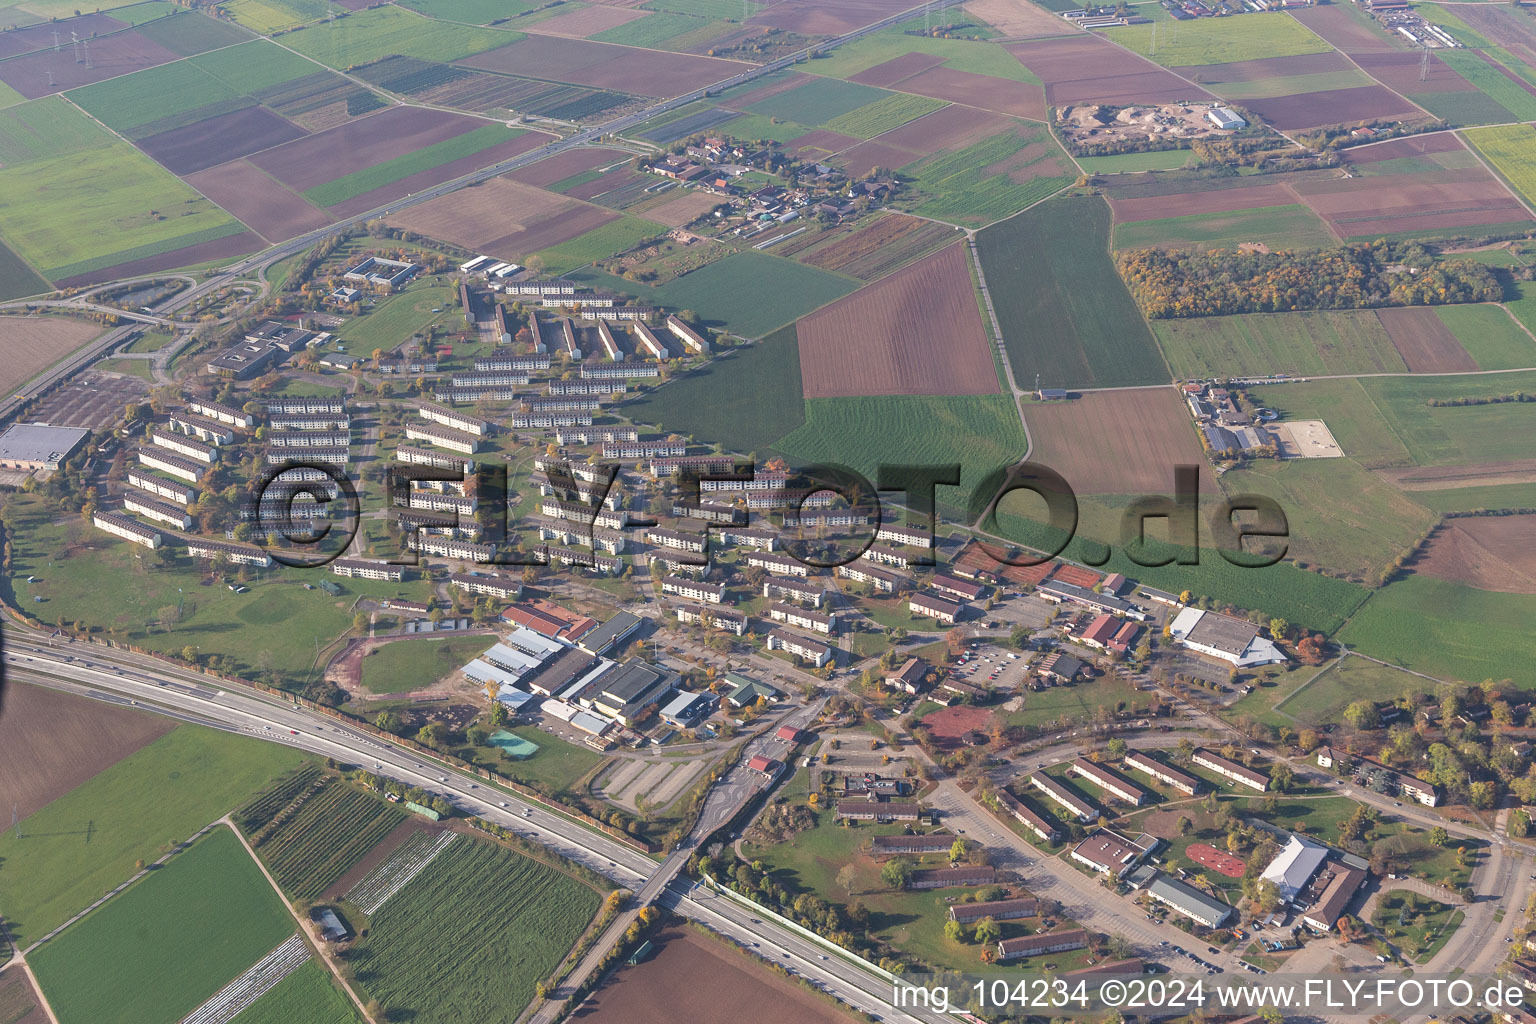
(793, 80)
(897, 68)
(587, 21)
(32, 343)
(616, 178)
(218, 249)
(820, 142)
(606, 66)
(866, 156)
(1487, 552)
(215, 140)
(1118, 442)
(564, 165)
(1508, 29)
(693, 979)
(1084, 68)
(686, 207)
(951, 725)
(1413, 145)
(878, 247)
(1389, 203)
(819, 18)
(1020, 99)
(1425, 344)
(258, 199)
(1265, 68)
(51, 742)
(502, 218)
(18, 1002)
(365, 142)
(1184, 204)
(439, 174)
(1445, 478)
(1400, 71)
(947, 128)
(41, 37)
(1333, 106)
(111, 56)
(917, 332)
(1017, 20)
(1342, 32)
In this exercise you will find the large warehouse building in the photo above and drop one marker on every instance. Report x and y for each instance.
(34, 446)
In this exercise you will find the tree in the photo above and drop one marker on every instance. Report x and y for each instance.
(360, 621)
(389, 721)
(1116, 748)
(897, 873)
(1439, 836)
(987, 931)
(1362, 714)
(1281, 778)
(1308, 740)
(846, 877)
(1184, 825)
(957, 850)
(953, 931)
(432, 734)
(189, 654)
(1278, 628)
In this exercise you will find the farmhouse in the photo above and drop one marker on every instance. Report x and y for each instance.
(693, 590)
(946, 878)
(127, 528)
(931, 606)
(1181, 781)
(1042, 827)
(1221, 636)
(1111, 781)
(799, 646)
(712, 618)
(1110, 853)
(1034, 945)
(1198, 906)
(1083, 810)
(795, 616)
(909, 678)
(1231, 769)
(794, 590)
(997, 910)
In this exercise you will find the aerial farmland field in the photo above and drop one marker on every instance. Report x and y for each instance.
(322, 832)
(1219, 40)
(155, 952)
(466, 941)
(369, 35)
(1258, 344)
(1512, 151)
(307, 996)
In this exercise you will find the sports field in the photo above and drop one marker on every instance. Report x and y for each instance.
(466, 941)
(1064, 311)
(87, 841)
(1260, 344)
(161, 949)
(407, 665)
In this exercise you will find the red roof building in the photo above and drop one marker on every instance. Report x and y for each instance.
(766, 765)
(788, 732)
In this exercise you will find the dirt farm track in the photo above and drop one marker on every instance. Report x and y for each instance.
(693, 978)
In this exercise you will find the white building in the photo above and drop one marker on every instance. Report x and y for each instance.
(1236, 641)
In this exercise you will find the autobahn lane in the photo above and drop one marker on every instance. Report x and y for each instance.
(89, 670)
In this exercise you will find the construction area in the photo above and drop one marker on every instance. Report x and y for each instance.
(1097, 124)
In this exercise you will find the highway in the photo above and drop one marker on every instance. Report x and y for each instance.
(137, 680)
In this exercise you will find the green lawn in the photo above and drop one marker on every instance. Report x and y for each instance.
(1124, 163)
(1491, 80)
(352, 185)
(980, 432)
(817, 100)
(495, 923)
(601, 242)
(1077, 703)
(415, 664)
(1324, 698)
(1353, 418)
(1445, 629)
(888, 44)
(1290, 226)
(307, 996)
(1417, 924)
(399, 316)
(86, 842)
(1491, 338)
(163, 948)
(370, 35)
(706, 403)
(989, 180)
(1064, 311)
(1220, 40)
(750, 294)
(1455, 435)
(890, 111)
(558, 764)
(1331, 342)
(761, 127)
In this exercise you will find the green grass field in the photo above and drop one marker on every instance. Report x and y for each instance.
(653, 30)
(134, 810)
(1492, 82)
(1348, 341)
(415, 664)
(47, 127)
(707, 404)
(1291, 226)
(1064, 311)
(17, 279)
(352, 185)
(1219, 40)
(1512, 151)
(1078, 703)
(1343, 518)
(958, 188)
(269, 16)
(818, 100)
(1491, 338)
(981, 432)
(100, 206)
(373, 34)
(890, 111)
(1446, 630)
(186, 33)
(558, 767)
(153, 94)
(1125, 163)
(471, 12)
(163, 948)
(748, 293)
(1415, 925)
(399, 316)
(1327, 695)
(888, 44)
(601, 242)
(497, 923)
(761, 127)
(1471, 499)
(1463, 107)
(307, 996)
(1454, 434)
(254, 66)
(1353, 418)
(1349, 78)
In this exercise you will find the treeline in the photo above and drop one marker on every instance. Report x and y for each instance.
(1513, 396)
(1365, 275)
